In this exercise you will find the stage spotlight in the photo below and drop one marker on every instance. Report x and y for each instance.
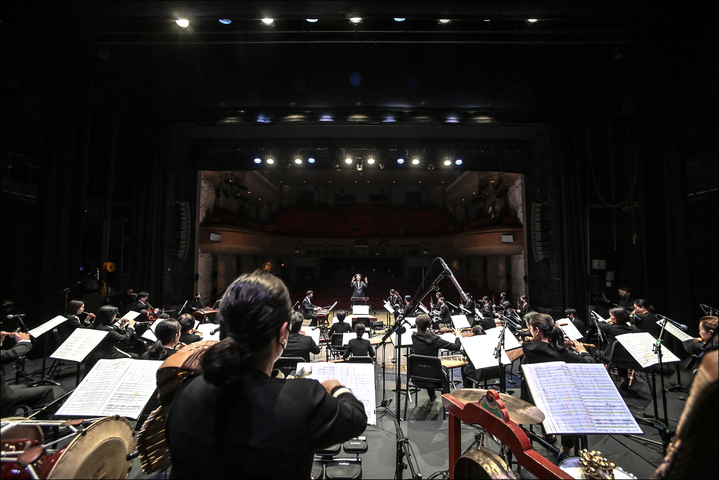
(447, 162)
(370, 160)
(348, 160)
(225, 21)
(415, 161)
(268, 21)
(311, 20)
(444, 21)
(258, 160)
(298, 161)
(356, 20)
(182, 22)
(458, 161)
(270, 161)
(311, 160)
(400, 161)
(399, 19)
(532, 20)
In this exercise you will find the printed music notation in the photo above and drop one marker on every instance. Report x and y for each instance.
(113, 387)
(640, 346)
(47, 326)
(578, 398)
(79, 344)
(358, 377)
(671, 328)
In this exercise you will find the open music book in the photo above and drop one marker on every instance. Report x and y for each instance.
(47, 326)
(79, 344)
(578, 398)
(358, 377)
(113, 387)
(312, 332)
(640, 346)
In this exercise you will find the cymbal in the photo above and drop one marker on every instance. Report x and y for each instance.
(520, 412)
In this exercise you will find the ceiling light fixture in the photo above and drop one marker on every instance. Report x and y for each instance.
(370, 160)
(270, 161)
(447, 162)
(399, 19)
(312, 20)
(400, 161)
(311, 160)
(532, 20)
(356, 20)
(258, 160)
(415, 161)
(458, 162)
(268, 21)
(182, 22)
(444, 21)
(298, 161)
(225, 21)
(348, 160)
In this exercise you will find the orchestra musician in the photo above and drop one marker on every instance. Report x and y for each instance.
(395, 301)
(299, 344)
(12, 396)
(525, 308)
(308, 309)
(486, 308)
(470, 307)
(425, 342)
(441, 313)
(188, 334)
(407, 305)
(246, 423)
(571, 314)
(140, 302)
(168, 340)
(618, 324)
(196, 303)
(73, 310)
(118, 336)
(645, 319)
(625, 298)
(547, 344)
(341, 326)
(707, 328)
(359, 347)
(358, 285)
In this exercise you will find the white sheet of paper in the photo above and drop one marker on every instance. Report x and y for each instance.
(347, 336)
(79, 344)
(313, 332)
(510, 341)
(388, 307)
(131, 315)
(207, 328)
(358, 377)
(671, 328)
(406, 338)
(568, 327)
(640, 346)
(460, 321)
(480, 351)
(150, 334)
(360, 310)
(113, 387)
(47, 326)
(578, 398)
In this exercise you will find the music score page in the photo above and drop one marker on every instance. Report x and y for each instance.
(79, 344)
(641, 347)
(578, 398)
(358, 377)
(113, 387)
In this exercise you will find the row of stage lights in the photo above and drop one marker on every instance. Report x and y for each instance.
(270, 160)
(270, 22)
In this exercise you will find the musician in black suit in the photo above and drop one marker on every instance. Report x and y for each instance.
(707, 327)
(525, 308)
(341, 326)
(571, 314)
(645, 319)
(395, 301)
(358, 285)
(407, 305)
(196, 303)
(308, 309)
(73, 310)
(298, 344)
(425, 342)
(618, 324)
(246, 423)
(441, 313)
(359, 347)
(187, 334)
(625, 298)
(119, 335)
(140, 302)
(12, 396)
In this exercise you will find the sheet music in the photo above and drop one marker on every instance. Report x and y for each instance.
(113, 387)
(207, 328)
(313, 332)
(360, 310)
(480, 350)
(47, 326)
(640, 346)
(388, 307)
(460, 321)
(131, 315)
(406, 338)
(347, 336)
(671, 328)
(79, 344)
(412, 321)
(578, 398)
(150, 333)
(568, 327)
(358, 377)
(510, 341)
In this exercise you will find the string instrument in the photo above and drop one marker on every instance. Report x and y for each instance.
(152, 313)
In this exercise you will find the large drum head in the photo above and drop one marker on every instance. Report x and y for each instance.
(482, 463)
(100, 451)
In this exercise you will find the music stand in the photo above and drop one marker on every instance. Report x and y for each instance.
(355, 300)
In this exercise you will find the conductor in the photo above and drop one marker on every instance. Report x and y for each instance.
(358, 286)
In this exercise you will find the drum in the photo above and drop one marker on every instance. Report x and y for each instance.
(99, 451)
(27, 441)
(573, 467)
(482, 463)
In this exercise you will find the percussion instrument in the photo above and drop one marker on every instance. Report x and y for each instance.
(99, 451)
(573, 466)
(481, 463)
(520, 412)
(202, 313)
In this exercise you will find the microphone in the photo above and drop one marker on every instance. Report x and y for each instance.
(676, 324)
(10, 317)
(454, 280)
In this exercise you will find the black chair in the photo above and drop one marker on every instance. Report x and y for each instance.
(617, 355)
(336, 347)
(424, 372)
(287, 365)
(361, 359)
(482, 376)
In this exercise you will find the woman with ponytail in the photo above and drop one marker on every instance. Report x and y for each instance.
(245, 423)
(168, 337)
(425, 342)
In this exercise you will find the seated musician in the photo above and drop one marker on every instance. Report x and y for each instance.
(441, 313)
(168, 337)
(645, 319)
(548, 345)
(469, 372)
(12, 396)
(73, 310)
(196, 303)
(359, 347)
(707, 328)
(571, 314)
(341, 326)
(425, 342)
(618, 324)
(299, 344)
(308, 309)
(407, 304)
(188, 334)
(119, 335)
(140, 302)
(245, 423)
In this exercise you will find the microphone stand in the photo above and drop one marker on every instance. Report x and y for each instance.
(397, 327)
(662, 428)
(498, 356)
